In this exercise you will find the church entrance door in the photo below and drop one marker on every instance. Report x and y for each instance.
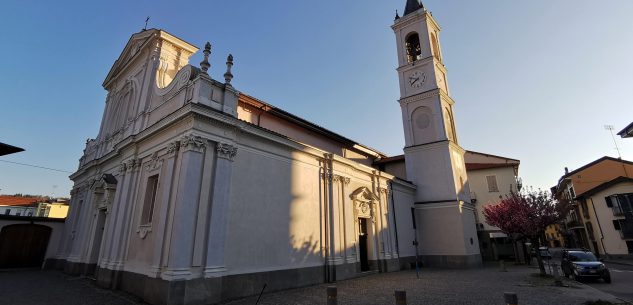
(362, 244)
(97, 239)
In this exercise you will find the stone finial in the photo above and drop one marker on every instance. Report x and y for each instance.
(204, 64)
(228, 76)
(397, 16)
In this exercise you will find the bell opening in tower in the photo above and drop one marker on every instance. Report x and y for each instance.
(412, 45)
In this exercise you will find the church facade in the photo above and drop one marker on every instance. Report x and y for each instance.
(194, 193)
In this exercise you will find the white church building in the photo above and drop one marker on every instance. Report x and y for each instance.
(194, 193)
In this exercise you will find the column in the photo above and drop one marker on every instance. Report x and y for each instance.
(220, 201)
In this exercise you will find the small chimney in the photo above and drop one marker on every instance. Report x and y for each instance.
(566, 170)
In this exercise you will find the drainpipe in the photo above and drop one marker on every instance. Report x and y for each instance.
(331, 249)
(593, 206)
(395, 223)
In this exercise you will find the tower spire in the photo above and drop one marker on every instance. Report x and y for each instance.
(412, 6)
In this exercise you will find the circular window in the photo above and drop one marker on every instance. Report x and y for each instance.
(422, 120)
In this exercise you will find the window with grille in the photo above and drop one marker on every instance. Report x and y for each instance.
(492, 183)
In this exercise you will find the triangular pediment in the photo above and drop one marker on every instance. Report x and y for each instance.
(132, 48)
(141, 41)
(363, 194)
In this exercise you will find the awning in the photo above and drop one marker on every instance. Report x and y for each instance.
(498, 235)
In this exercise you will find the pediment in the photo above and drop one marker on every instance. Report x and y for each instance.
(363, 194)
(133, 47)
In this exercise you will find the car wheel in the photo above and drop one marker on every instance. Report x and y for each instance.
(607, 278)
(577, 278)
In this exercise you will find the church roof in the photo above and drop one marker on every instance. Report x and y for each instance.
(412, 6)
(278, 112)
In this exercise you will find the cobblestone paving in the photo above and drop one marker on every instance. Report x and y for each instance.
(438, 287)
(31, 287)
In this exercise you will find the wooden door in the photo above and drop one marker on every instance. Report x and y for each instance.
(23, 245)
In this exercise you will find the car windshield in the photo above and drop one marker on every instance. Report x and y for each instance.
(582, 257)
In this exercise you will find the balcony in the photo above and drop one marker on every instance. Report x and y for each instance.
(574, 225)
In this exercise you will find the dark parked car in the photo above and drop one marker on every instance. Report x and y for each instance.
(544, 252)
(581, 263)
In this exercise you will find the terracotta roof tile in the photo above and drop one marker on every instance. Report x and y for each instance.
(6, 200)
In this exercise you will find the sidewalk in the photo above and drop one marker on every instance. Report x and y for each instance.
(439, 287)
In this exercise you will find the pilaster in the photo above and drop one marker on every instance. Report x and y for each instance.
(220, 201)
(185, 208)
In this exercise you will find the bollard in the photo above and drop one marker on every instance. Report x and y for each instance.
(401, 297)
(511, 298)
(502, 266)
(331, 295)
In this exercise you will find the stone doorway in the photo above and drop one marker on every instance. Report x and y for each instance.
(362, 244)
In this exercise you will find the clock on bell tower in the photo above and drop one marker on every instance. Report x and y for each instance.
(433, 158)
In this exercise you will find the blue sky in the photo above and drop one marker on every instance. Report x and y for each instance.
(532, 80)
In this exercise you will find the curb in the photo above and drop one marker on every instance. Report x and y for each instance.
(619, 263)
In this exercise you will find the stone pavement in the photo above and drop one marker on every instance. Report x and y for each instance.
(438, 287)
(31, 287)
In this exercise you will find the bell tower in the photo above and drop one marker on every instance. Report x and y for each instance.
(434, 160)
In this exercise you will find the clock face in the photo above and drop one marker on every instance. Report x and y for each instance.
(416, 79)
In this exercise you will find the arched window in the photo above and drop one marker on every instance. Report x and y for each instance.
(412, 45)
(436, 47)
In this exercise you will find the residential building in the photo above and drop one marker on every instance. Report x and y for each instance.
(581, 184)
(18, 205)
(194, 192)
(55, 209)
(555, 236)
(610, 209)
(627, 132)
(491, 178)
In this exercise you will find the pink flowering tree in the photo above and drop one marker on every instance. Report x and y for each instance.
(527, 214)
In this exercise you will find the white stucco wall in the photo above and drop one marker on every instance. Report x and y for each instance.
(506, 181)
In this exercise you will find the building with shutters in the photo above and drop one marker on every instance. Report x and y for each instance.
(602, 217)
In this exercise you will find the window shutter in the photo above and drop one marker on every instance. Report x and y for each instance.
(608, 199)
(492, 183)
(616, 224)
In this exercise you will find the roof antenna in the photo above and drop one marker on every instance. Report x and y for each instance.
(146, 20)
(610, 129)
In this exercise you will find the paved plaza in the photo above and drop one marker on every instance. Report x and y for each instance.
(437, 287)
(37, 287)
